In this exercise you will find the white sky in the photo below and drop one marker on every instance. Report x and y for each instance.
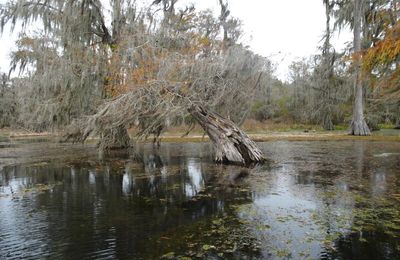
(283, 30)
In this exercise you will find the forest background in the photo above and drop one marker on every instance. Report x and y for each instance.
(72, 57)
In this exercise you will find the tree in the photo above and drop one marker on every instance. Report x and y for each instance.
(381, 62)
(377, 16)
(190, 84)
(324, 74)
(7, 102)
(68, 62)
(147, 70)
(358, 125)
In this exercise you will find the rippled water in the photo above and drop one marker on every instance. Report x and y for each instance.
(324, 200)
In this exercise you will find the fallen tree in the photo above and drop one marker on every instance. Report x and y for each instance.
(110, 124)
(208, 89)
(143, 69)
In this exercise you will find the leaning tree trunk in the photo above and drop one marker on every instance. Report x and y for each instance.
(231, 144)
(358, 124)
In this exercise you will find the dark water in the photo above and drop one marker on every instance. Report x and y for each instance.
(318, 200)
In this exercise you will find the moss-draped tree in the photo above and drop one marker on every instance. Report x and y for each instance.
(109, 68)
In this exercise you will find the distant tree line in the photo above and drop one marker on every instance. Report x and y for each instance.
(322, 89)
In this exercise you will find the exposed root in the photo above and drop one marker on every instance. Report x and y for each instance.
(359, 128)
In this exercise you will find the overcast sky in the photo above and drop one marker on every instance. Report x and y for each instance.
(283, 30)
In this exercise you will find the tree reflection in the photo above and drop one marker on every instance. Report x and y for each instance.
(115, 207)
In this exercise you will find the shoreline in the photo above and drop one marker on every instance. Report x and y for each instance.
(338, 135)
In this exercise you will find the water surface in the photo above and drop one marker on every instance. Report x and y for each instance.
(319, 200)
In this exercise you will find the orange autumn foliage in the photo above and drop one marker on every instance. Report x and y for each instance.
(148, 61)
(382, 61)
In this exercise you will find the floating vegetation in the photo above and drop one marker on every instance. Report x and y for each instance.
(373, 214)
(38, 188)
(223, 236)
(304, 205)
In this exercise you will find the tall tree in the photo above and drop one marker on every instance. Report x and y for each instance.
(326, 70)
(376, 17)
(358, 124)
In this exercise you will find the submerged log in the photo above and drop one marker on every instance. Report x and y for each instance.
(231, 144)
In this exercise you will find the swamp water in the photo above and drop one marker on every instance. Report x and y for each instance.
(313, 200)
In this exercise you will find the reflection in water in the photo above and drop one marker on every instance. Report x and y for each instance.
(304, 206)
(114, 209)
(359, 153)
(378, 182)
(128, 180)
(319, 205)
(196, 179)
(92, 177)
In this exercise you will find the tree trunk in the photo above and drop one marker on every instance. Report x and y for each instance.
(328, 65)
(327, 123)
(115, 138)
(358, 124)
(231, 144)
(397, 124)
